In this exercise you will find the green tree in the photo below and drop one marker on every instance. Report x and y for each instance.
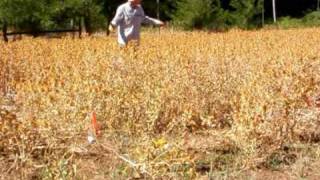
(26, 14)
(247, 13)
(30, 15)
(201, 14)
(88, 10)
(91, 11)
(193, 13)
(167, 8)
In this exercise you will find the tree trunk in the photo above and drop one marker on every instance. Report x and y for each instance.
(73, 28)
(80, 26)
(88, 25)
(158, 12)
(158, 9)
(274, 11)
(4, 32)
(262, 21)
(108, 24)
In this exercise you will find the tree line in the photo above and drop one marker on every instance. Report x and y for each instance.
(33, 16)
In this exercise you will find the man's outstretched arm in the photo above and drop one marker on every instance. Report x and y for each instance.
(149, 20)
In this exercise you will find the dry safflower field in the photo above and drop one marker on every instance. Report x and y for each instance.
(182, 105)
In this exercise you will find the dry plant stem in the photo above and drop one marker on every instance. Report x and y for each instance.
(130, 162)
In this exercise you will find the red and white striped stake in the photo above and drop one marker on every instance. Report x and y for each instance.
(95, 125)
(94, 130)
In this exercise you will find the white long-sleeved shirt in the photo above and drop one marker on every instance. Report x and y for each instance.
(128, 19)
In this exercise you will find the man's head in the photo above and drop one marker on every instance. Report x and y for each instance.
(135, 2)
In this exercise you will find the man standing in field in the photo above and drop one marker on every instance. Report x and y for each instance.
(128, 20)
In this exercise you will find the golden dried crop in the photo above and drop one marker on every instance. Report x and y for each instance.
(257, 89)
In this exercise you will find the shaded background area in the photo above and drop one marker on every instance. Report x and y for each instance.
(293, 8)
(28, 15)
